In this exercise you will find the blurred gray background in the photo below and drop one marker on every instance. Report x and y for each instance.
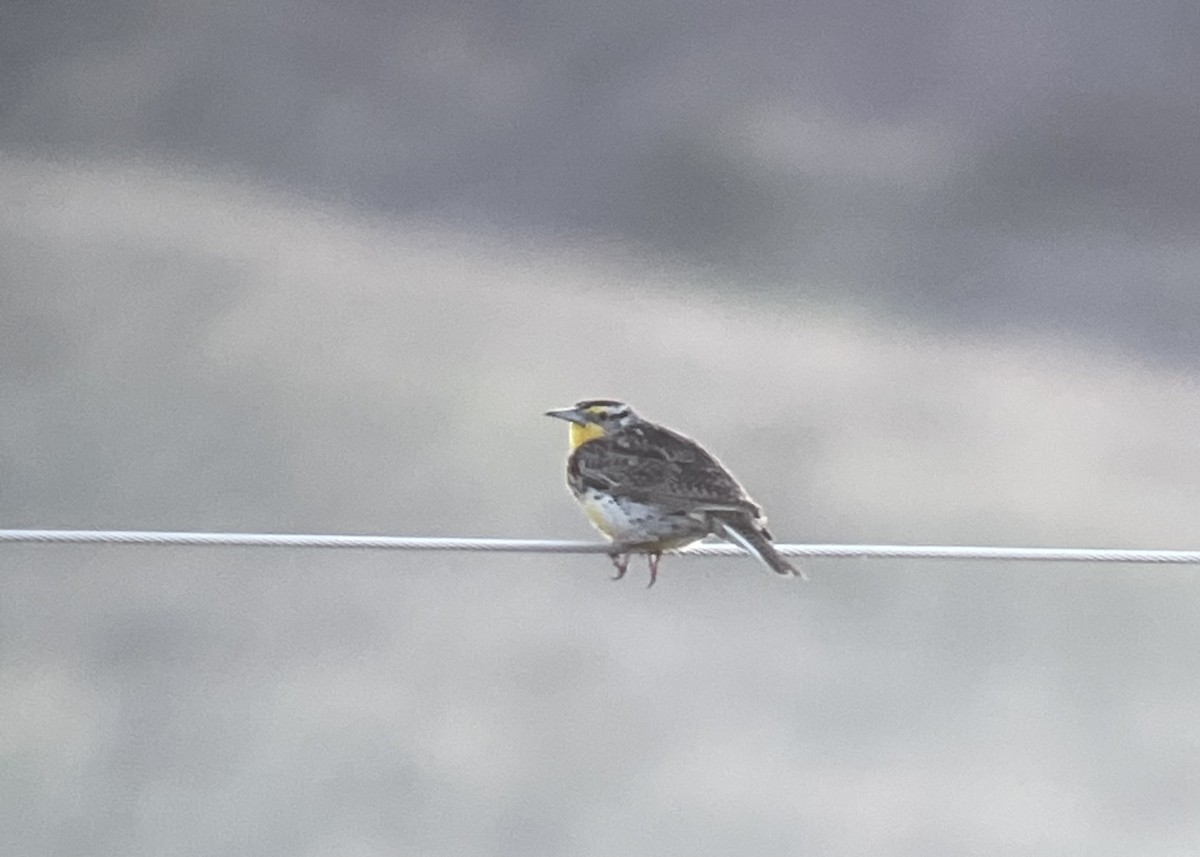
(918, 272)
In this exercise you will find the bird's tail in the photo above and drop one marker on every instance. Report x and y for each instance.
(754, 540)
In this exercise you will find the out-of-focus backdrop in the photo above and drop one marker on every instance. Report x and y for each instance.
(918, 272)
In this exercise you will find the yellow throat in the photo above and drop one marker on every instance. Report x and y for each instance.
(582, 434)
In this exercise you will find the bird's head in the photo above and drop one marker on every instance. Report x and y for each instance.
(594, 418)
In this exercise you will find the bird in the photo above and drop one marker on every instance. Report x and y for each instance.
(650, 489)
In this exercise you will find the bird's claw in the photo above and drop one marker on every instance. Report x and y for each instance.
(654, 558)
(620, 562)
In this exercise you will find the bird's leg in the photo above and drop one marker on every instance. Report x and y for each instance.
(620, 561)
(654, 557)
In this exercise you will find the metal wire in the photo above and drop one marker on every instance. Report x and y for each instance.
(416, 543)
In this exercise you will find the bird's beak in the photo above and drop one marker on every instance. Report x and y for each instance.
(571, 415)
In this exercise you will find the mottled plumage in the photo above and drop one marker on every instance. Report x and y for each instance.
(651, 489)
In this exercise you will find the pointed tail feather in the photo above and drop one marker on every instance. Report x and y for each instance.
(756, 542)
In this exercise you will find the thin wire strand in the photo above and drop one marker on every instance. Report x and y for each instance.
(412, 543)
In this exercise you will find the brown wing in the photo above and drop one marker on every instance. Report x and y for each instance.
(649, 463)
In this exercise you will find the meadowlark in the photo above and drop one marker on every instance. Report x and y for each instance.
(650, 489)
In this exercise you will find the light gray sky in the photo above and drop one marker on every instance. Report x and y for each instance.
(1029, 163)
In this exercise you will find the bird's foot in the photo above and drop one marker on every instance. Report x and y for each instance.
(620, 561)
(654, 557)
(620, 555)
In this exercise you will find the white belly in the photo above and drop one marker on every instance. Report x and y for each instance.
(625, 521)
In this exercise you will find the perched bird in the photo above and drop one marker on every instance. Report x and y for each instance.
(651, 489)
